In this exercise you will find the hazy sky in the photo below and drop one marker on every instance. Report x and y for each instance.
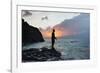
(46, 19)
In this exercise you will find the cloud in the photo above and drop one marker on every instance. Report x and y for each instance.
(44, 18)
(26, 13)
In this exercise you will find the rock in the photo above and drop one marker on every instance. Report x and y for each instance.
(36, 55)
(30, 34)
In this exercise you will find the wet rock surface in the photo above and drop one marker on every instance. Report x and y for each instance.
(42, 54)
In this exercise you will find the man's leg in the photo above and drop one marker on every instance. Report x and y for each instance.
(52, 44)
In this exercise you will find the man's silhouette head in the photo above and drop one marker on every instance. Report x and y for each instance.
(53, 30)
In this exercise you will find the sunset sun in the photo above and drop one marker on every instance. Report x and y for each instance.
(58, 33)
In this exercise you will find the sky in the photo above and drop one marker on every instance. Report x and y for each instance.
(41, 19)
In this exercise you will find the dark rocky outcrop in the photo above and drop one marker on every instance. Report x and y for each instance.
(30, 34)
(39, 55)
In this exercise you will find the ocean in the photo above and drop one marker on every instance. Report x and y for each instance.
(70, 48)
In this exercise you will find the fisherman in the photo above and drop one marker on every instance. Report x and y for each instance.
(53, 38)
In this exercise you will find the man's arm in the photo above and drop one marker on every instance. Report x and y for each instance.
(55, 38)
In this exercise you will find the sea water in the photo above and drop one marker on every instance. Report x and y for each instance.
(70, 48)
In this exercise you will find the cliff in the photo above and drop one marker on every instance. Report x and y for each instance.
(30, 34)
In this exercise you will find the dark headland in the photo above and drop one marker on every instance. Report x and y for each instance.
(30, 34)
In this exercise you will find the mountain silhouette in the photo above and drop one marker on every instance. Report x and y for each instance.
(30, 34)
(79, 24)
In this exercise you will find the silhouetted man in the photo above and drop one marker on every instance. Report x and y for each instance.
(53, 38)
